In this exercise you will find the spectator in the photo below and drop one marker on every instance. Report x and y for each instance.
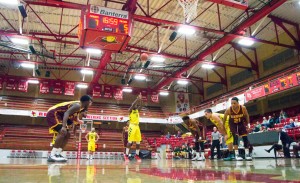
(271, 121)
(168, 136)
(178, 134)
(265, 122)
(284, 143)
(184, 152)
(296, 148)
(296, 123)
(282, 115)
(177, 152)
(276, 119)
(216, 139)
(257, 127)
(291, 125)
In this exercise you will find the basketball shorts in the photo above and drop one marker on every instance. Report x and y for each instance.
(55, 122)
(238, 129)
(91, 146)
(228, 132)
(134, 133)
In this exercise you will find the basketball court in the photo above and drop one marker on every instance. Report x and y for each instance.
(131, 90)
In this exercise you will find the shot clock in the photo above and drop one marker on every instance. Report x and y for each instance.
(104, 28)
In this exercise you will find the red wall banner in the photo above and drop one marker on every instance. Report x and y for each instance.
(22, 85)
(1, 83)
(107, 91)
(298, 77)
(97, 90)
(44, 87)
(118, 94)
(57, 87)
(274, 86)
(144, 94)
(69, 88)
(255, 93)
(154, 97)
(11, 84)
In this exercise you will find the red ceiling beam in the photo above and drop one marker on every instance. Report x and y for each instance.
(56, 3)
(105, 59)
(225, 40)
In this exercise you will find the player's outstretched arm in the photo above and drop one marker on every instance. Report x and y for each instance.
(138, 99)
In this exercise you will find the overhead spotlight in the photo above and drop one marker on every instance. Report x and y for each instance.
(139, 77)
(22, 11)
(33, 81)
(32, 49)
(82, 86)
(182, 82)
(123, 81)
(187, 30)
(9, 2)
(86, 71)
(173, 36)
(38, 72)
(208, 66)
(147, 64)
(246, 42)
(164, 93)
(47, 74)
(129, 81)
(27, 65)
(127, 90)
(93, 51)
(19, 40)
(158, 58)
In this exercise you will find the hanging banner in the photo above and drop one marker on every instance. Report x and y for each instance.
(182, 102)
(255, 93)
(274, 86)
(1, 83)
(69, 88)
(57, 88)
(22, 85)
(287, 82)
(97, 90)
(144, 94)
(118, 94)
(107, 92)
(11, 84)
(154, 97)
(44, 87)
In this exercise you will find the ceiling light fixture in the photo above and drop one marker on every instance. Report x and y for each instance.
(19, 41)
(27, 65)
(82, 86)
(187, 30)
(182, 82)
(93, 51)
(86, 71)
(208, 66)
(246, 42)
(33, 81)
(9, 2)
(139, 77)
(164, 93)
(158, 59)
(127, 90)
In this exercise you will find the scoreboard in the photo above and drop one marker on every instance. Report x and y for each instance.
(104, 28)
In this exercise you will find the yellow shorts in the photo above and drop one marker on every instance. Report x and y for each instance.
(134, 133)
(229, 134)
(91, 146)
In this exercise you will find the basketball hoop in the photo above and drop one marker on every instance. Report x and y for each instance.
(189, 9)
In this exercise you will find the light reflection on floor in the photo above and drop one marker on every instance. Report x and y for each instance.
(149, 171)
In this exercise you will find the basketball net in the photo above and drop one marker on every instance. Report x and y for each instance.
(189, 9)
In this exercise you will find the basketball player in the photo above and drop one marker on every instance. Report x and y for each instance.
(238, 121)
(134, 132)
(125, 135)
(193, 126)
(223, 126)
(92, 137)
(57, 117)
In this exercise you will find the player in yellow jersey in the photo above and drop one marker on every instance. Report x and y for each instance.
(134, 132)
(57, 118)
(91, 137)
(224, 128)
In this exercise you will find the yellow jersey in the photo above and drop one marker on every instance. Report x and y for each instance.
(92, 136)
(221, 116)
(134, 117)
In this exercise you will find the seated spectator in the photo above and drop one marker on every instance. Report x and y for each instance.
(168, 136)
(184, 152)
(282, 115)
(265, 122)
(296, 123)
(177, 152)
(291, 125)
(257, 127)
(296, 148)
(271, 121)
(262, 129)
(276, 118)
(178, 134)
(283, 143)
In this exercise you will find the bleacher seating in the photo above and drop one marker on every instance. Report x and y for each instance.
(23, 103)
(38, 138)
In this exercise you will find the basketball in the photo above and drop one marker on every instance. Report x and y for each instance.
(144, 57)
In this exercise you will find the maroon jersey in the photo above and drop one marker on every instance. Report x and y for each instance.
(237, 116)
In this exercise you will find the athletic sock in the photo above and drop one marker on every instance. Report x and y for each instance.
(247, 152)
(137, 152)
(53, 152)
(127, 151)
(59, 150)
(236, 152)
